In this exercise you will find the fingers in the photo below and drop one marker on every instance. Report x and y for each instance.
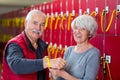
(54, 73)
(61, 63)
(57, 63)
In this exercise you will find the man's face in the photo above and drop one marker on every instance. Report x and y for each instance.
(34, 27)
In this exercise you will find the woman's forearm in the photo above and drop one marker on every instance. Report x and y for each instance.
(67, 76)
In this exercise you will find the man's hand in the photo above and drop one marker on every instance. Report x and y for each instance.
(56, 63)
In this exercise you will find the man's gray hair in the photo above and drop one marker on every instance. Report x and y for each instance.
(87, 22)
(28, 17)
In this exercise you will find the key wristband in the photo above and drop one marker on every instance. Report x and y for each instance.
(48, 61)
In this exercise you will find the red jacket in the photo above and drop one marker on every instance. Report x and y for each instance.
(7, 74)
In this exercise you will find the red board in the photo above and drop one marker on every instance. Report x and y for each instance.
(108, 42)
(112, 48)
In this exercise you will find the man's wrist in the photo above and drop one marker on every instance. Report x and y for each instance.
(44, 63)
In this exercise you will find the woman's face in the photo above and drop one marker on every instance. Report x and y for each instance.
(81, 35)
(35, 26)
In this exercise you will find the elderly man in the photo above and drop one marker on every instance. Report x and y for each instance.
(24, 56)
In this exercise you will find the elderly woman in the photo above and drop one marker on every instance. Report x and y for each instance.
(83, 58)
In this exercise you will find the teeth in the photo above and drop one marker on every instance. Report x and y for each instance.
(77, 35)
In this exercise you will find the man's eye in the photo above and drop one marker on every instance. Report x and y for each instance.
(43, 24)
(35, 23)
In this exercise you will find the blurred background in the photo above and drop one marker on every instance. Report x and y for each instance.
(11, 5)
(58, 33)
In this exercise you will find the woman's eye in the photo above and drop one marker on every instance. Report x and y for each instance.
(75, 28)
(83, 29)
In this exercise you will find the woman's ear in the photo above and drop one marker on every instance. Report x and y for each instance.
(90, 36)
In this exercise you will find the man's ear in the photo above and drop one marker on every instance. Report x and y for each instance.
(25, 23)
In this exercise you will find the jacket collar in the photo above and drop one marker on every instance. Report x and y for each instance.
(40, 42)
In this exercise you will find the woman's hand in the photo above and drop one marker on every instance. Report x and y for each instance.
(62, 73)
(55, 72)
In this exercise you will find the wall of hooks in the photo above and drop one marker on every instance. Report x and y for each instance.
(58, 32)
